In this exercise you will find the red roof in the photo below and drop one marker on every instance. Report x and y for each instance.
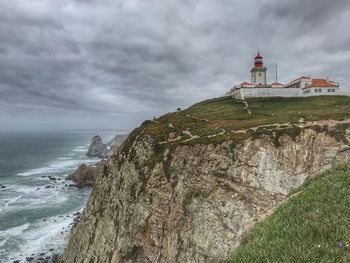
(276, 84)
(322, 83)
(258, 56)
(245, 83)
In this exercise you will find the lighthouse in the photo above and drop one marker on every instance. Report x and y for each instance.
(258, 72)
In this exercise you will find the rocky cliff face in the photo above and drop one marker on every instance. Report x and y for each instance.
(192, 203)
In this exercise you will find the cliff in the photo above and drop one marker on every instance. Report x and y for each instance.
(185, 188)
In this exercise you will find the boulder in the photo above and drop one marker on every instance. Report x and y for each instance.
(97, 148)
(86, 175)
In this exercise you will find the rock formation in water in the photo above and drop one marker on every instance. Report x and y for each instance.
(156, 202)
(86, 175)
(97, 148)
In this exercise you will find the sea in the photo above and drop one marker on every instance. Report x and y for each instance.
(36, 212)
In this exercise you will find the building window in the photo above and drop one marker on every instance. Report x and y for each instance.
(329, 90)
(259, 74)
(333, 90)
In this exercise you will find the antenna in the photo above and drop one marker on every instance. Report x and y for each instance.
(276, 73)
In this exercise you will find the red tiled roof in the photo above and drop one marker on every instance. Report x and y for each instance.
(322, 83)
(245, 83)
(276, 83)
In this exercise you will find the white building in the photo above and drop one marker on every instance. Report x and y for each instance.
(314, 87)
(300, 87)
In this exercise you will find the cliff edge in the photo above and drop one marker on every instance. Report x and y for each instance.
(185, 187)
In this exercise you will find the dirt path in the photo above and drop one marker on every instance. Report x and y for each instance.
(246, 106)
(301, 124)
(195, 117)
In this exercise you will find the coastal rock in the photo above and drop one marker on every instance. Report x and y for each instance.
(114, 144)
(117, 140)
(97, 148)
(86, 175)
(195, 204)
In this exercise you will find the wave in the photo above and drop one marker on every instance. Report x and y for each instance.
(39, 236)
(31, 198)
(60, 165)
(54, 167)
(5, 235)
(8, 202)
(79, 150)
(29, 192)
(14, 231)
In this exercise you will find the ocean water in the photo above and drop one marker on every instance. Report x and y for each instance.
(33, 217)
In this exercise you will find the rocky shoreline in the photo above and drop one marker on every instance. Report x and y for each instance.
(50, 255)
(84, 176)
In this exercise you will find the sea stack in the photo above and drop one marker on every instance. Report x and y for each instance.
(97, 148)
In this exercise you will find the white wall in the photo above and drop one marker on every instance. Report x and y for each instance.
(266, 92)
(245, 93)
(324, 92)
(344, 91)
(305, 81)
(256, 79)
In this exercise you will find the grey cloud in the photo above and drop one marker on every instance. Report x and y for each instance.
(129, 60)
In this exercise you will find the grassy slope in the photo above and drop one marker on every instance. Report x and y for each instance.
(313, 226)
(229, 114)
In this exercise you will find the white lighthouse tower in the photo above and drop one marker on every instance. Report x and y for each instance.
(258, 72)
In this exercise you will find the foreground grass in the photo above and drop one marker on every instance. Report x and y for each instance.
(313, 226)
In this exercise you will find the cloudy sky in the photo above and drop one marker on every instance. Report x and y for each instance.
(72, 64)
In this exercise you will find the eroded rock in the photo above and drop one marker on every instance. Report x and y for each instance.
(193, 203)
(86, 175)
(97, 148)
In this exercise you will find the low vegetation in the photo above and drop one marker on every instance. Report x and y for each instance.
(222, 119)
(312, 226)
(210, 117)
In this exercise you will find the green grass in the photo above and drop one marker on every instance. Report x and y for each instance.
(228, 113)
(313, 226)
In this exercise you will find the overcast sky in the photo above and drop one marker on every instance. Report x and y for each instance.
(71, 64)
